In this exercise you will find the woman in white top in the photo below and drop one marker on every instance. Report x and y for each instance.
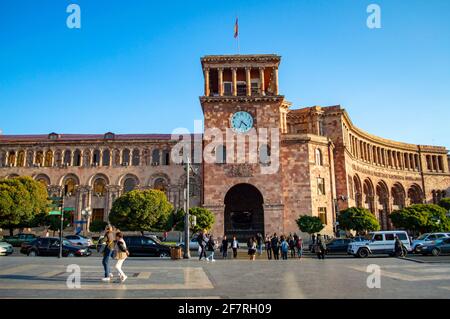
(120, 253)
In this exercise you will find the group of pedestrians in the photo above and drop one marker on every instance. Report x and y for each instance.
(113, 245)
(286, 245)
(206, 242)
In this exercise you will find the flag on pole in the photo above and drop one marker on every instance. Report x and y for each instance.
(236, 29)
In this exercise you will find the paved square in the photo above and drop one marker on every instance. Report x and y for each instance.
(45, 277)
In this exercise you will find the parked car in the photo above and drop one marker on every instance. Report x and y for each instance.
(146, 246)
(79, 240)
(338, 245)
(435, 248)
(49, 246)
(425, 239)
(379, 243)
(19, 239)
(5, 248)
(193, 244)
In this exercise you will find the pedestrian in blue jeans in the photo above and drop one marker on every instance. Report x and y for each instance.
(108, 247)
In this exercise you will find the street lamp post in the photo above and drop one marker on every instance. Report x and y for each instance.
(187, 253)
(187, 223)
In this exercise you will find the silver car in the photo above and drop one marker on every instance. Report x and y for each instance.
(5, 248)
(79, 240)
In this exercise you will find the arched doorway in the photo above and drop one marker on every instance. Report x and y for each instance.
(244, 211)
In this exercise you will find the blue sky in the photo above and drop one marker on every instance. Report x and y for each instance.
(134, 66)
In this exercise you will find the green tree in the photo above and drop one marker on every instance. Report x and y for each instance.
(17, 208)
(53, 222)
(358, 219)
(97, 226)
(205, 219)
(445, 202)
(176, 220)
(141, 211)
(38, 199)
(309, 224)
(422, 218)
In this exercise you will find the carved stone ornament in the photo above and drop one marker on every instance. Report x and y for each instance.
(239, 170)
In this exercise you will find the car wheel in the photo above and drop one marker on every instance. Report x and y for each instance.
(70, 254)
(363, 253)
(163, 254)
(32, 253)
(435, 252)
(417, 250)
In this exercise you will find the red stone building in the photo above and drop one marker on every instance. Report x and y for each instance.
(315, 161)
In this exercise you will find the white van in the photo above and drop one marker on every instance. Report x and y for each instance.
(379, 243)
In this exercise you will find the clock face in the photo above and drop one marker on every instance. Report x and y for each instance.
(241, 122)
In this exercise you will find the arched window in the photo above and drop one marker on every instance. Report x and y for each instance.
(319, 160)
(49, 159)
(106, 158)
(155, 157)
(77, 158)
(160, 184)
(221, 154)
(67, 157)
(264, 154)
(21, 159)
(43, 179)
(166, 157)
(126, 157)
(136, 157)
(96, 158)
(69, 187)
(129, 184)
(12, 158)
(100, 187)
(3, 159)
(39, 158)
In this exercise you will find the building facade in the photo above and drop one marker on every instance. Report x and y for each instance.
(321, 162)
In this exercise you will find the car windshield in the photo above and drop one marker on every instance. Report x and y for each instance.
(422, 237)
(156, 239)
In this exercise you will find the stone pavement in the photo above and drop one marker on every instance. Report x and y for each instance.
(45, 277)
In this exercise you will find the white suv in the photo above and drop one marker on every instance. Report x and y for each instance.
(379, 243)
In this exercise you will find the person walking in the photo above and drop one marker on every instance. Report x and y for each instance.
(211, 248)
(202, 241)
(268, 248)
(120, 253)
(320, 247)
(275, 247)
(313, 237)
(291, 243)
(252, 248)
(224, 247)
(398, 247)
(107, 247)
(299, 244)
(234, 246)
(259, 243)
(284, 248)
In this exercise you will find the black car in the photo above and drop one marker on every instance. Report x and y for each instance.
(146, 246)
(338, 245)
(49, 246)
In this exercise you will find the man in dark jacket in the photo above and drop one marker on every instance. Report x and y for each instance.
(275, 246)
(224, 247)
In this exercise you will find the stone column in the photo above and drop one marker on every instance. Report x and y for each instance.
(220, 76)
(234, 81)
(275, 80)
(261, 81)
(207, 90)
(248, 81)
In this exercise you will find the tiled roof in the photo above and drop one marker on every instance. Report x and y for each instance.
(83, 137)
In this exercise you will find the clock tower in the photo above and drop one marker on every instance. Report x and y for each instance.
(241, 102)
